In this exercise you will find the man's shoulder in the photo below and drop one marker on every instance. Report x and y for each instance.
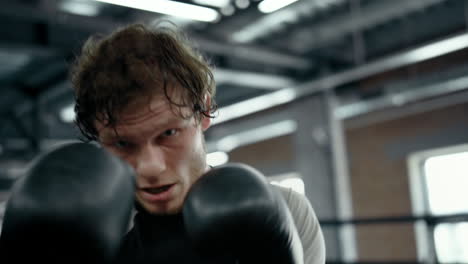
(306, 223)
(291, 196)
(298, 204)
(282, 189)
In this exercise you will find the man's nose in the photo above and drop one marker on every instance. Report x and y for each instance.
(150, 161)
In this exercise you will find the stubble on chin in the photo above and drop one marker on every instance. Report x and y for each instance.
(198, 167)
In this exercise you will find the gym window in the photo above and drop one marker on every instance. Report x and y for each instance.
(438, 182)
(446, 178)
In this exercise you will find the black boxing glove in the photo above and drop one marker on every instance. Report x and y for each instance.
(233, 210)
(73, 206)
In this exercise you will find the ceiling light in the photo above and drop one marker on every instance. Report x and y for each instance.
(228, 10)
(80, 8)
(272, 22)
(250, 79)
(215, 3)
(242, 4)
(67, 114)
(268, 6)
(439, 48)
(217, 158)
(172, 8)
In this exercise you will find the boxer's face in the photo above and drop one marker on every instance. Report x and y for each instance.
(166, 151)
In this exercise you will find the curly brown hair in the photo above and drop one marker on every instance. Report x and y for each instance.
(138, 62)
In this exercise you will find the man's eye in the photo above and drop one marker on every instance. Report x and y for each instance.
(121, 144)
(169, 132)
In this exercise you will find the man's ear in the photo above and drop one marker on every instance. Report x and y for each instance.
(205, 117)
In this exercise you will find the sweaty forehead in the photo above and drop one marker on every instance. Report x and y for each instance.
(140, 130)
(146, 113)
(143, 107)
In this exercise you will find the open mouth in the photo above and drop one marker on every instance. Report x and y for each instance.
(158, 190)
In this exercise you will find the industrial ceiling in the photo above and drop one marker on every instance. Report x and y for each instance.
(308, 45)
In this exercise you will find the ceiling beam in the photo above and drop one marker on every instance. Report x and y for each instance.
(287, 95)
(251, 79)
(378, 12)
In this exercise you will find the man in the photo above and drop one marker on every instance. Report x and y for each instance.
(146, 96)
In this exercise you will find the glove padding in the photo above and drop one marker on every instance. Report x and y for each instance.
(233, 210)
(73, 206)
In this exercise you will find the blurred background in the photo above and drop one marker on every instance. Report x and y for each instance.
(362, 105)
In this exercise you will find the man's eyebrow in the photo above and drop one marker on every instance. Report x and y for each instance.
(109, 136)
(172, 121)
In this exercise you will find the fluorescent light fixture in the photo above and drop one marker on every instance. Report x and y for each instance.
(249, 79)
(275, 21)
(217, 158)
(268, 6)
(439, 48)
(255, 104)
(83, 8)
(277, 129)
(67, 114)
(242, 4)
(172, 8)
(228, 10)
(215, 3)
